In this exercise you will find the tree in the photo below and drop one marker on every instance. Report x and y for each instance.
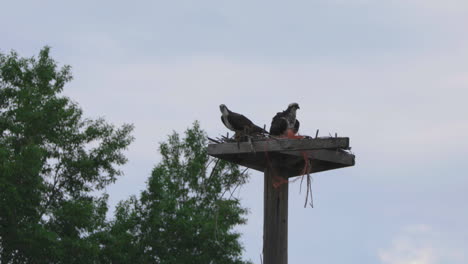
(54, 163)
(51, 161)
(187, 212)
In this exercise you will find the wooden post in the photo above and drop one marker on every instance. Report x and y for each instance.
(280, 159)
(275, 217)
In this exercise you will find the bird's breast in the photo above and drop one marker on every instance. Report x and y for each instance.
(226, 122)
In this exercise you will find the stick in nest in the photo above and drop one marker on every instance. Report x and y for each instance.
(306, 173)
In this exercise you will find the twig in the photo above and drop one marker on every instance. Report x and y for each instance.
(242, 173)
(311, 197)
(54, 190)
(300, 186)
(238, 184)
(210, 160)
(214, 140)
(307, 194)
(213, 170)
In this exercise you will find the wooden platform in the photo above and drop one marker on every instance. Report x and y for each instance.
(323, 153)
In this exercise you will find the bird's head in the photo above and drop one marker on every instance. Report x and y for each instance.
(293, 106)
(223, 108)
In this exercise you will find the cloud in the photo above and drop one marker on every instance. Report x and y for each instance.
(420, 244)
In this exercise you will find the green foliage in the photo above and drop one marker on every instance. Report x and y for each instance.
(51, 159)
(53, 162)
(187, 212)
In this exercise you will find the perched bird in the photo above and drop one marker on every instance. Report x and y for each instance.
(284, 121)
(239, 123)
(296, 126)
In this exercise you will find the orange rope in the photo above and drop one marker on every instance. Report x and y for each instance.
(278, 180)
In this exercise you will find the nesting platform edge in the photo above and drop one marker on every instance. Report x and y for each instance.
(322, 153)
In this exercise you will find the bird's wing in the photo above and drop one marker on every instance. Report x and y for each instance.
(238, 121)
(296, 126)
(257, 129)
(278, 125)
(222, 120)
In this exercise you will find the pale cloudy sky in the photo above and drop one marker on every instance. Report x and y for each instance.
(391, 75)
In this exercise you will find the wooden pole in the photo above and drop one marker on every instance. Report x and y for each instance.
(280, 159)
(275, 216)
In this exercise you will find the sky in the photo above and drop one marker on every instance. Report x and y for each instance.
(391, 75)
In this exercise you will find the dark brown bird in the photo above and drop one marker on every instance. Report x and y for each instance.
(285, 120)
(239, 123)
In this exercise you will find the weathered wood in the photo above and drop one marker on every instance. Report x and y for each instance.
(292, 162)
(337, 156)
(275, 216)
(280, 159)
(277, 145)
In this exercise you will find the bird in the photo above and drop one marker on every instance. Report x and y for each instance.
(284, 121)
(296, 126)
(238, 123)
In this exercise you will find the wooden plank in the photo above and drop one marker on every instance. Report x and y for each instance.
(335, 156)
(315, 166)
(250, 160)
(275, 216)
(292, 162)
(278, 145)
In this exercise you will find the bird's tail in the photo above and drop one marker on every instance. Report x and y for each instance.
(257, 129)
